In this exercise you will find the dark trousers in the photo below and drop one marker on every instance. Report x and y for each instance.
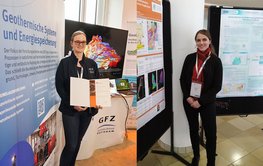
(208, 117)
(74, 128)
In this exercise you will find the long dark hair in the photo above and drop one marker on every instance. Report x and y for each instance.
(208, 35)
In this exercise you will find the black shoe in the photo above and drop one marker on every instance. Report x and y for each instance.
(210, 163)
(195, 161)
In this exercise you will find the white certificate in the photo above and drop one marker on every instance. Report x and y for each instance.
(79, 92)
(89, 93)
(103, 97)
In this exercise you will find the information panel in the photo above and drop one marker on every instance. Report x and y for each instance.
(237, 35)
(241, 52)
(150, 63)
(30, 49)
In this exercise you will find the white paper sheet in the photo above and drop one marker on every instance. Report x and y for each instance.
(79, 92)
(103, 97)
(82, 92)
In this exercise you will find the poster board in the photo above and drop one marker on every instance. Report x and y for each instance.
(152, 123)
(236, 35)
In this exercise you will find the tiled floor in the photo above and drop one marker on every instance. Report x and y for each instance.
(119, 155)
(239, 143)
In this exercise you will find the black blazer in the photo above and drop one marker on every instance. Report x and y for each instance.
(212, 72)
(68, 68)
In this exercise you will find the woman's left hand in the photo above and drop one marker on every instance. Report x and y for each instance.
(98, 107)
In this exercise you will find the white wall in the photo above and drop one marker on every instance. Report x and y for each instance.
(116, 13)
(186, 19)
(113, 15)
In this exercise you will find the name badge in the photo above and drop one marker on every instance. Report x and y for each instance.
(196, 89)
(91, 70)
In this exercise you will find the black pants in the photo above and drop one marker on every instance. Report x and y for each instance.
(208, 117)
(74, 128)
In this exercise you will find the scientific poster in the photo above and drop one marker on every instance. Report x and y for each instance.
(241, 52)
(150, 63)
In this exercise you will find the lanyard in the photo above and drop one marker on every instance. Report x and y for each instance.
(201, 68)
(80, 75)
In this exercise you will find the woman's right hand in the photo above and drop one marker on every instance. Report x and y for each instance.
(190, 100)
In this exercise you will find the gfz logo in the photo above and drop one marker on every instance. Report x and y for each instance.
(106, 125)
(107, 119)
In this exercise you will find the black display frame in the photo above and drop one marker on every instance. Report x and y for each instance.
(231, 105)
(151, 132)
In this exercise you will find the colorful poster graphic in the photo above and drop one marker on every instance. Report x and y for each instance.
(102, 53)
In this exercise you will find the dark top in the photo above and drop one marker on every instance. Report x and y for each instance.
(212, 73)
(68, 68)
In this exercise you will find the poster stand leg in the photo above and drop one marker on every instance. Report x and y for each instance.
(172, 152)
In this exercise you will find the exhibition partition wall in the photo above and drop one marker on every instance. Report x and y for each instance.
(237, 35)
(154, 80)
(32, 43)
(130, 71)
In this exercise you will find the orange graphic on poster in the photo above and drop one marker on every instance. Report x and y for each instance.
(149, 9)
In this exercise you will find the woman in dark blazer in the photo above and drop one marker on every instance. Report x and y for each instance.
(76, 119)
(201, 80)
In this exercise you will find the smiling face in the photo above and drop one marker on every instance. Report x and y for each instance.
(78, 43)
(202, 42)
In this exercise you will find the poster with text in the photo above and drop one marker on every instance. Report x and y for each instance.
(150, 63)
(31, 45)
(241, 52)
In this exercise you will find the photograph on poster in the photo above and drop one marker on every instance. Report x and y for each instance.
(43, 140)
(160, 78)
(152, 84)
(140, 87)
